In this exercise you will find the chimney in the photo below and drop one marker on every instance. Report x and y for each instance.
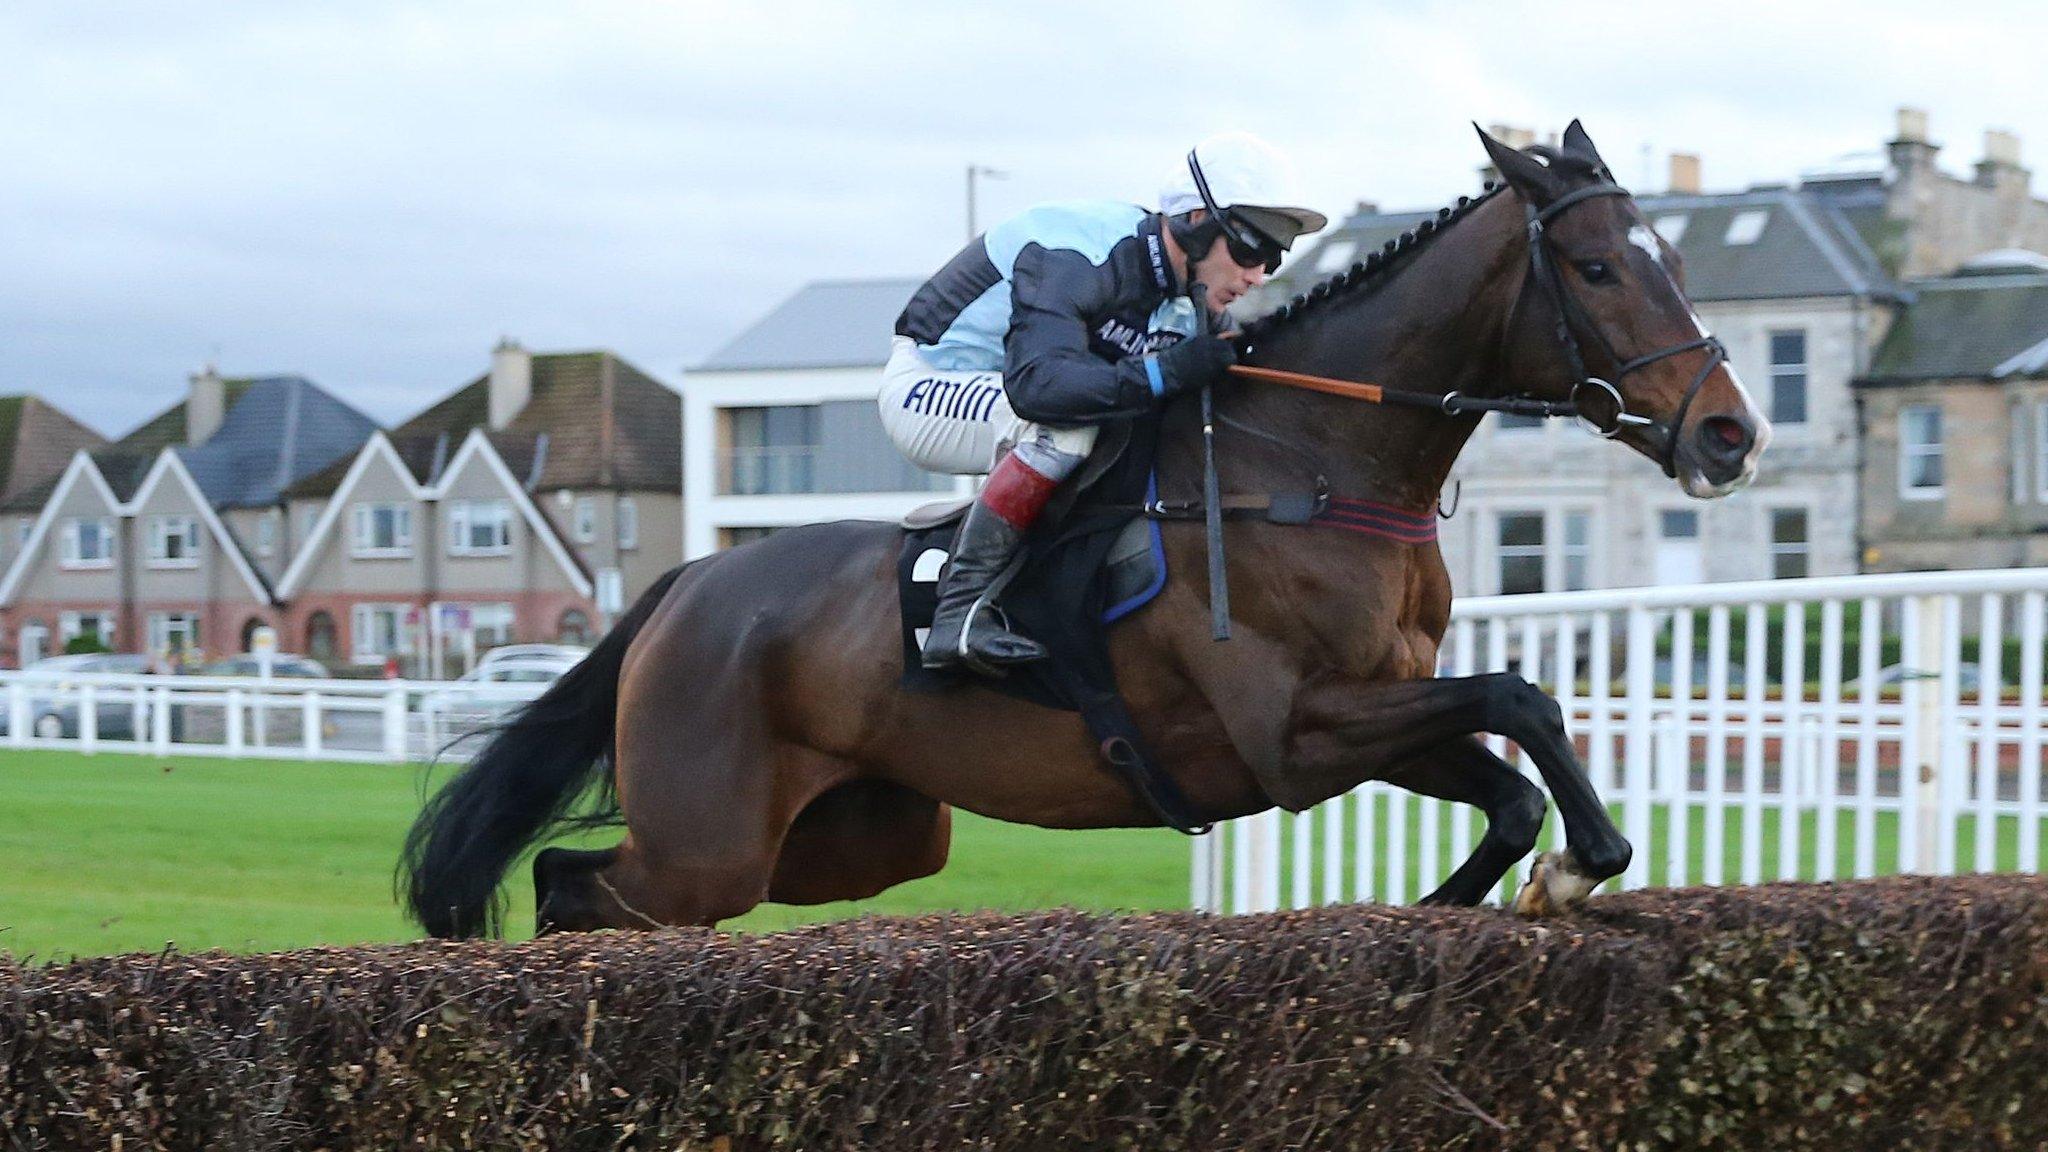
(1911, 151)
(205, 405)
(1512, 137)
(2000, 167)
(1685, 173)
(511, 381)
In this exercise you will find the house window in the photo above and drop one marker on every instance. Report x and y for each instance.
(1920, 471)
(1788, 376)
(2041, 451)
(266, 535)
(629, 523)
(97, 625)
(308, 520)
(479, 528)
(770, 450)
(382, 530)
(1746, 227)
(173, 542)
(88, 543)
(492, 623)
(1790, 550)
(1578, 551)
(173, 633)
(1521, 552)
(1335, 255)
(735, 536)
(584, 526)
(1511, 422)
(379, 630)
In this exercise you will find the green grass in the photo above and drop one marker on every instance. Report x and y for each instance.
(119, 853)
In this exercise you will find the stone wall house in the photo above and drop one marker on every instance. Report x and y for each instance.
(1955, 423)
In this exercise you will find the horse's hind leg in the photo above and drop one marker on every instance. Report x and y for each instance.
(859, 839)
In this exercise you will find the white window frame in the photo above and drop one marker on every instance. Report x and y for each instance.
(1803, 369)
(1566, 550)
(1533, 425)
(363, 531)
(500, 616)
(464, 516)
(1746, 227)
(163, 530)
(161, 629)
(72, 556)
(361, 627)
(1908, 452)
(266, 534)
(1773, 549)
(1502, 553)
(584, 520)
(1675, 222)
(71, 625)
(628, 524)
(2041, 451)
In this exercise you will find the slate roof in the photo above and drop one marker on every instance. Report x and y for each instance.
(277, 430)
(1823, 240)
(1968, 326)
(567, 436)
(37, 440)
(826, 324)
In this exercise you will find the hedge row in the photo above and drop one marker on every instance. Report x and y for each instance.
(1907, 1013)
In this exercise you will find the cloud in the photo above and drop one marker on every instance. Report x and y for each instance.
(371, 194)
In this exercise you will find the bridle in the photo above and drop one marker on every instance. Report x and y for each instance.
(1543, 271)
(1597, 404)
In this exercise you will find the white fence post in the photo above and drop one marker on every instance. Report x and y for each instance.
(1920, 769)
(1642, 691)
(394, 725)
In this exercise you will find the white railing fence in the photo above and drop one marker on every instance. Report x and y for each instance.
(1790, 729)
(361, 720)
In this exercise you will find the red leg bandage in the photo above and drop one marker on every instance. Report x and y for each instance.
(1017, 492)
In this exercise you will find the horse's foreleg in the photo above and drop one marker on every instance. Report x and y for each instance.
(1343, 731)
(1466, 771)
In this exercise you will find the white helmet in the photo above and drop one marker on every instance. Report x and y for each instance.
(1247, 186)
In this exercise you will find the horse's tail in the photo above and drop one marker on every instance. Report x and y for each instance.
(523, 784)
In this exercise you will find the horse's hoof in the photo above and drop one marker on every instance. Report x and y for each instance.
(1555, 885)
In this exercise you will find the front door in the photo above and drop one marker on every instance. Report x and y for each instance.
(1679, 558)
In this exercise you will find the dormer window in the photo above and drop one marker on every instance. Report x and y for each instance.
(1746, 227)
(1672, 227)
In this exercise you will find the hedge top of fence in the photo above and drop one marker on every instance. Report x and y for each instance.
(1793, 1014)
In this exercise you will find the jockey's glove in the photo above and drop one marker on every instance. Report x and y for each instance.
(1190, 364)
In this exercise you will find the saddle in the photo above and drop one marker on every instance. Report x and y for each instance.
(1091, 563)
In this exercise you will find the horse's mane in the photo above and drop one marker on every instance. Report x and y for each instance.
(1372, 268)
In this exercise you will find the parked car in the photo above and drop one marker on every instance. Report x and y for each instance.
(52, 716)
(467, 703)
(281, 664)
(566, 655)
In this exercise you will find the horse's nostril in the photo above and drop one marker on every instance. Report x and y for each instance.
(1723, 435)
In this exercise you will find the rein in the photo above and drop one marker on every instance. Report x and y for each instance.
(1608, 414)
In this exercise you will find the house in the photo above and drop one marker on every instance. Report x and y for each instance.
(132, 545)
(1955, 423)
(1801, 283)
(37, 441)
(532, 503)
(780, 424)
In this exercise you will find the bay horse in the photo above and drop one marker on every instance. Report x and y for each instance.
(746, 718)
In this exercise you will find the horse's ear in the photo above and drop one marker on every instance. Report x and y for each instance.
(1525, 173)
(1579, 144)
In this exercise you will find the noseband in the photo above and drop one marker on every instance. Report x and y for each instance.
(1543, 271)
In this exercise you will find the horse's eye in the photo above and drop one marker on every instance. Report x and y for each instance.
(1596, 271)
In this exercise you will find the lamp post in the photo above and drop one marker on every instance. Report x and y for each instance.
(974, 171)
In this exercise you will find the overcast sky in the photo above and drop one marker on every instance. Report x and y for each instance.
(371, 194)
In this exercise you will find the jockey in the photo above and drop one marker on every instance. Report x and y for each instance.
(1052, 323)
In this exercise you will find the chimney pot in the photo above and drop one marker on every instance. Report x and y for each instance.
(205, 405)
(1912, 124)
(2001, 147)
(511, 382)
(1685, 172)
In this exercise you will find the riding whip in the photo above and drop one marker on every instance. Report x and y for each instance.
(1212, 497)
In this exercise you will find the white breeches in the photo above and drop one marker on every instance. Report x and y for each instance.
(961, 423)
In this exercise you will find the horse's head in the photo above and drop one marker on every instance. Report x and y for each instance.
(1602, 318)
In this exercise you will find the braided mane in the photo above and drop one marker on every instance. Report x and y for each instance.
(1371, 268)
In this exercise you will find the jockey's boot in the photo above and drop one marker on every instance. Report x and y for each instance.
(966, 628)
